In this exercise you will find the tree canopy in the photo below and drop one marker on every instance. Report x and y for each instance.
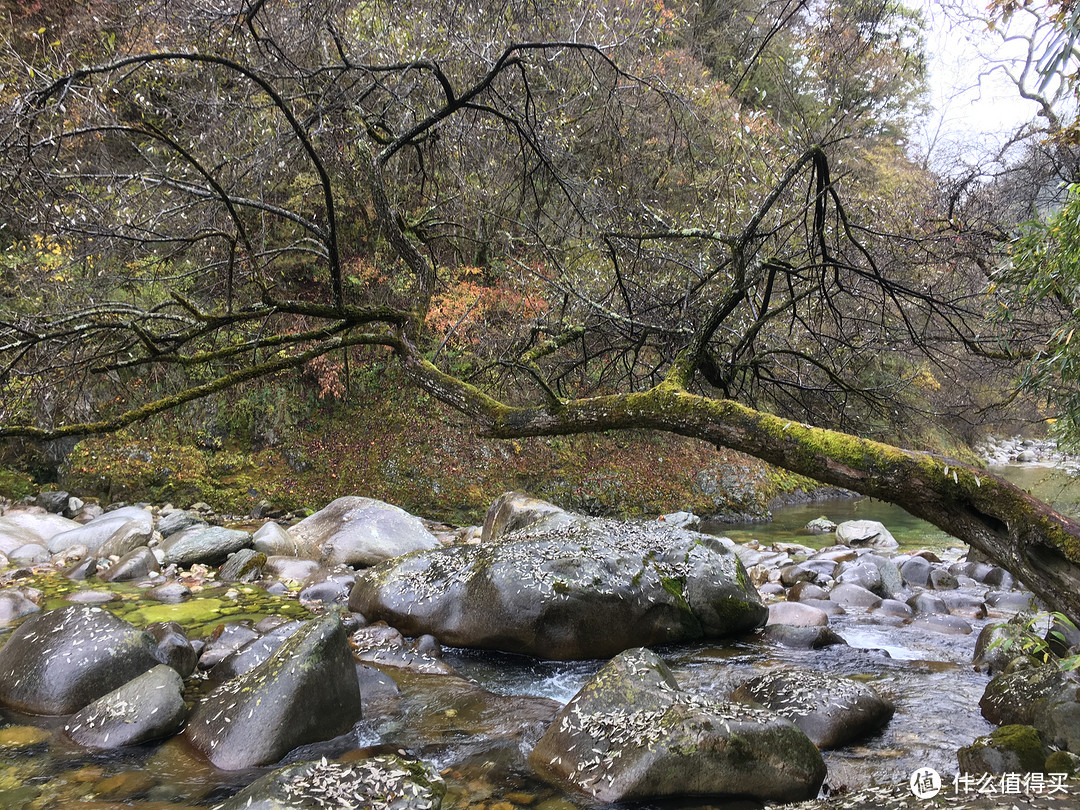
(558, 217)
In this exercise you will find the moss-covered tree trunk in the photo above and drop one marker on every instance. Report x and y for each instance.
(1039, 546)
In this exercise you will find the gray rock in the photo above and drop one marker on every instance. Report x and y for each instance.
(892, 607)
(149, 707)
(946, 625)
(1009, 749)
(864, 533)
(136, 564)
(916, 571)
(1014, 697)
(854, 596)
(232, 637)
(584, 590)
(14, 604)
(802, 638)
(173, 647)
(830, 709)
(797, 614)
(245, 565)
(55, 502)
(821, 525)
(864, 575)
(116, 532)
(43, 526)
(248, 656)
(384, 781)
(360, 532)
(59, 661)
(927, 603)
(305, 692)
(630, 734)
(177, 521)
(678, 520)
(942, 580)
(291, 569)
(801, 591)
(28, 554)
(169, 592)
(514, 511)
(203, 544)
(272, 540)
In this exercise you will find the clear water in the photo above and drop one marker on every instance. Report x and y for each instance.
(479, 730)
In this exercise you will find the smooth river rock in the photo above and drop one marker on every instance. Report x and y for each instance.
(359, 532)
(150, 707)
(59, 661)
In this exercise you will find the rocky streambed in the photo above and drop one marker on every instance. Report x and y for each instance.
(363, 658)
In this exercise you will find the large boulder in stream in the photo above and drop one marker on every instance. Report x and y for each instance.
(358, 532)
(305, 692)
(60, 661)
(587, 588)
(630, 734)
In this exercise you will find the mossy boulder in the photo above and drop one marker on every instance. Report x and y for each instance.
(630, 734)
(1012, 698)
(386, 782)
(1010, 749)
(305, 692)
(830, 709)
(59, 661)
(584, 588)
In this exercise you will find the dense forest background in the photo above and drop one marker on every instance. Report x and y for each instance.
(243, 213)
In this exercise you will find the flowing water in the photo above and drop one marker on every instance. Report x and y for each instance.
(478, 731)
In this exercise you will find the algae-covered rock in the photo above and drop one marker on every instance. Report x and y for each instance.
(585, 589)
(305, 692)
(830, 709)
(1009, 749)
(385, 782)
(59, 661)
(630, 734)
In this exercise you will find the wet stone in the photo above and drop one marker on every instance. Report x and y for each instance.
(802, 638)
(136, 564)
(305, 692)
(946, 625)
(59, 661)
(631, 734)
(384, 782)
(850, 595)
(149, 707)
(798, 614)
(830, 709)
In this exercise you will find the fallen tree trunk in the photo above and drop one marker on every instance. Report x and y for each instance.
(1028, 538)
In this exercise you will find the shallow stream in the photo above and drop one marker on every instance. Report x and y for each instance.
(479, 731)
